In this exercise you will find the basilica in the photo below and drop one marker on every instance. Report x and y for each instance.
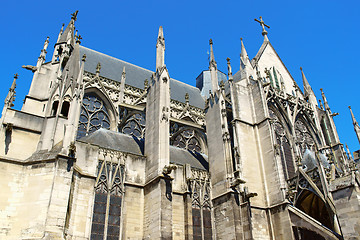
(105, 149)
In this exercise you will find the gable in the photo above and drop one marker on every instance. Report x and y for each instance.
(269, 59)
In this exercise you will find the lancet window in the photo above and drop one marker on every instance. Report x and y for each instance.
(276, 79)
(283, 146)
(132, 122)
(109, 190)
(185, 137)
(201, 205)
(304, 140)
(93, 115)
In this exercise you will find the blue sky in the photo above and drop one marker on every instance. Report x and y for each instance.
(321, 36)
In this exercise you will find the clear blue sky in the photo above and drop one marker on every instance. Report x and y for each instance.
(321, 36)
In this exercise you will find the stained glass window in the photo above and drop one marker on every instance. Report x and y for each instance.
(185, 137)
(201, 209)
(93, 115)
(108, 200)
(132, 122)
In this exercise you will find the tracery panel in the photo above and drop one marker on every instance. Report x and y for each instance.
(201, 205)
(93, 115)
(283, 145)
(132, 122)
(109, 191)
(304, 140)
(185, 137)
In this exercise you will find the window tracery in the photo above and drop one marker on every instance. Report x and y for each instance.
(201, 206)
(185, 137)
(109, 191)
(283, 145)
(304, 140)
(93, 115)
(132, 123)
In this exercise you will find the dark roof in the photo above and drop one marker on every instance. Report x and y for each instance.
(126, 143)
(115, 141)
(135, 76)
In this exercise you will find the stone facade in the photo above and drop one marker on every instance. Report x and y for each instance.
(103, 149)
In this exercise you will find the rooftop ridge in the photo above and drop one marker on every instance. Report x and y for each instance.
(117, 59)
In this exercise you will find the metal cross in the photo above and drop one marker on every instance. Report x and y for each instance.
(74, 15)
(263, 25)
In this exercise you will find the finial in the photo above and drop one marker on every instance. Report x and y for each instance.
(229, 69)
(187, 97)
(98, 67)
(160, 49)
(74, 15)
(222, 85)
(244, 59)
(62, 28)
(212, 58)
(263, 25)
(11, 95)
(78, 38)
(83, 58)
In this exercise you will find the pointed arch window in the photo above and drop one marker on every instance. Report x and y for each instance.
(276, 80)
(201, 208)
(93, 115)
(283, 145)
(304, 140)
(185, 137)
(109, 191)
(132, 123)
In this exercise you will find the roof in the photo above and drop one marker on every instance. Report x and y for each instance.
(126, 143)
(115, 141)
(135, 76)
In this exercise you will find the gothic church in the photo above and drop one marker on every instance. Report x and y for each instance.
(104, 149)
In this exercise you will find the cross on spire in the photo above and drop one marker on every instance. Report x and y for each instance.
(74, 15)
(263, 25)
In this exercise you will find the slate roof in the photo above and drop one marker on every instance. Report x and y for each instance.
(126, 143)
(112, 68)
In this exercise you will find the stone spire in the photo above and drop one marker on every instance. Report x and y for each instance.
(229, 70)
(244, 58)
(326, 105)
(68, 34)
(356, 124)
(10, 98)
(122, 84)
(263, 25)
(213, 69)
(42, 56)
(65, 44)
(61, 31)
(348, 152)
(308, 92)
(160, 49)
